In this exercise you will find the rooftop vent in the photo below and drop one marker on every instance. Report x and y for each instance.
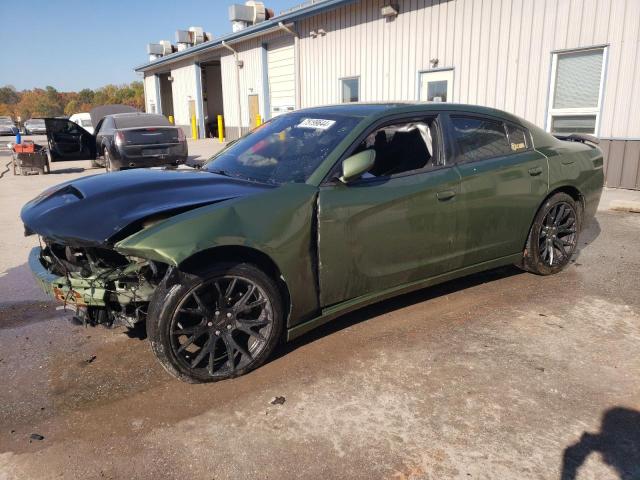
(251, 13)
(193, 36)
(167, 48)
(154, 50)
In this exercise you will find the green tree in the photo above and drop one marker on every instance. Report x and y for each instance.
(9, 95)
(49, 102)
(86, 96)
(73, 106)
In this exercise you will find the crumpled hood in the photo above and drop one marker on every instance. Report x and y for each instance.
(92, 210)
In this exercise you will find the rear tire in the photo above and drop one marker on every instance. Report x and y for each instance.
(107, 162)
(553, 236)
(219, 323)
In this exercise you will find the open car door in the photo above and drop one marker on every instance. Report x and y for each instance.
(69, 141)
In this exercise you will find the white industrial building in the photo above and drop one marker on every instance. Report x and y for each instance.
(566, 65)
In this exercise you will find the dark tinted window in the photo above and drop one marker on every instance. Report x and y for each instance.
(56, 125)
(140, 120)
(479, 138)
(517, 138)
(105, 125)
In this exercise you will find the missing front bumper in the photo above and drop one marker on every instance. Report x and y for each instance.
(73, 291)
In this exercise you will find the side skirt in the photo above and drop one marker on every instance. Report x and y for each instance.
(343, 308)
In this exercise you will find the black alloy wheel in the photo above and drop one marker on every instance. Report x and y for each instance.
(558, 235)
(216, 326)
(553, 237)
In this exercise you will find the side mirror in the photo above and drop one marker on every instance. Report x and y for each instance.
(355, 165)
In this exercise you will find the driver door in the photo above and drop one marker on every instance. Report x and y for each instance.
(69, 141)
(395, 225)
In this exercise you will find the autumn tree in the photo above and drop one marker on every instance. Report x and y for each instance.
(48, 102)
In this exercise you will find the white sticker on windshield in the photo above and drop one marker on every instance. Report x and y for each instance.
(316, 123)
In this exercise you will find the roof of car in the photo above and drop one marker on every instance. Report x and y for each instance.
(138, 119)
(389, 108)
(131, 114)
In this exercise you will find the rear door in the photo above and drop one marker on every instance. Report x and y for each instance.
(503, 182)
(69, 141)
(395, 225)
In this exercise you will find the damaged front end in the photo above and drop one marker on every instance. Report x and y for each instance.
(80, 223)
(99, 284)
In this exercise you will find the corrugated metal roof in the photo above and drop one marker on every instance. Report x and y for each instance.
(290, 16)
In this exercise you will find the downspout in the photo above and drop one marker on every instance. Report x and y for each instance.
(296, 52)
(158, 99)
(200, 102)
(239, 103)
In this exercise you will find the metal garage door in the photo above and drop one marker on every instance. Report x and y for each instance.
(282, 75)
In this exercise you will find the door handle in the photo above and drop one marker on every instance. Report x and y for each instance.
(535, 171)
(568, 162)
(445, 195)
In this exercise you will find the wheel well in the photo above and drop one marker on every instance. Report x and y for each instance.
(573, 192)
(234, 253)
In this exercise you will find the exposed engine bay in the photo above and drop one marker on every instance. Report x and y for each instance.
(100, 284)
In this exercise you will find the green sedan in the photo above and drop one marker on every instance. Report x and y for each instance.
(314, 214)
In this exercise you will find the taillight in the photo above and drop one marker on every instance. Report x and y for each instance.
(119, 138)
(181, 135)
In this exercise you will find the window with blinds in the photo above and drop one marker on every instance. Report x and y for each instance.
(575, 91)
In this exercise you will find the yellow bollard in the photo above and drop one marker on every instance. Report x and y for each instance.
(220, 129)
(171, 119)
(258, 120)
(194, 128)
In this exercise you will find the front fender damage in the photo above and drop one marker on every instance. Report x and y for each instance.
(278, 224)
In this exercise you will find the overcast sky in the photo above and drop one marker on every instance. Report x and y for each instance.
(75, 44)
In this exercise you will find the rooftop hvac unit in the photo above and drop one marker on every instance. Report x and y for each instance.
(183, 36)
(251, 13)
(197, 35)
(154, 49)
(167, 48)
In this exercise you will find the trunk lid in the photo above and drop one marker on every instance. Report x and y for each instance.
(150, 135)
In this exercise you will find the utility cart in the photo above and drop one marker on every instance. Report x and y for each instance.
(30, 159)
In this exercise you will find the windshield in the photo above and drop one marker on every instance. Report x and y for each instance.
(86, 123)
(287, 149)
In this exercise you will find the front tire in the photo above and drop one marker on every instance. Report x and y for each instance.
(220, 323)
(553, 237)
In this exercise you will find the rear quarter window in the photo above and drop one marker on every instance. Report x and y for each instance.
(479, 138)
(518, 138)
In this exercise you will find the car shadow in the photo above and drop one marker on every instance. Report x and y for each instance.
(396, 303)
(69, 170)
(588, 235)
(617, 442)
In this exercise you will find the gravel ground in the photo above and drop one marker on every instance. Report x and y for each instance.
(501, 375)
